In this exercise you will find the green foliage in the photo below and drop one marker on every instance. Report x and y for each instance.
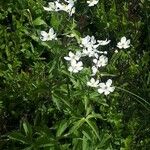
(44, 107)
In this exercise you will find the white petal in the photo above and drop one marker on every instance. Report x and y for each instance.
(128, 41)
(109, 82)
(106, 92)
(80, 68)
(73, 62)
(92, 80)
(47, 9)
(80, 63)
(51, 31)
(97, 82)
(94, 70)
(123, 39)
(111, 89)
(75, 70)
(102, 85)
(70, 69)
(126, 46)
(100, 90)
(67, 58)
(95, 61)
(43, 33)
(71, 54)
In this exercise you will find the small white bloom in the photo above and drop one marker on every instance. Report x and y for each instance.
(69, 8)
(93, 83)
(101, 62)
(89, 42)
(73, 56)
(89, 52)
(92, 2)
(85, 41)
(124, 43)
(48, 36)
(116, 51)
(105, 42)
(51, 7)
(106, 88)
(75, 66)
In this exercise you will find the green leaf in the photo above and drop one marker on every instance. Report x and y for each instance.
(18, 137)
(93, 127)
(27, 128)
(38, 21)
(56, 21)
(62, 127)
(94, 116)
(77, 125)
(85, 145)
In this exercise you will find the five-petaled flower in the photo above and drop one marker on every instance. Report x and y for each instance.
(106, 88)
(68, 6)
(93, 83)
(73, 56)
(75, 66)
(48, 36)
(101, 61)
(124, 43)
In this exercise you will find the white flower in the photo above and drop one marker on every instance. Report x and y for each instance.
(73, 56)
(90, 52)
(92, 2)
(101, 62)
(93, 83)
(51, 7)
(85, 41)
(69, 8)
(89, 42)
(106, 88)
(105, 42)
(124, 43)
(89, 46)
(48, 36)
(116, 51)
(75, 66)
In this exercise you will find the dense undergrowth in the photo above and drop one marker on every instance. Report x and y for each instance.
(45, 107)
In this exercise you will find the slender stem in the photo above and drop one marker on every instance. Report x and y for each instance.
(136, 97)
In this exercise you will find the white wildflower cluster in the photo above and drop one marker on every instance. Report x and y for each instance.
(89, 48)
(67, 6)
(105, 88)
(75, 64)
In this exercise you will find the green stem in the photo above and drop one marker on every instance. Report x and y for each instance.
(142, 100)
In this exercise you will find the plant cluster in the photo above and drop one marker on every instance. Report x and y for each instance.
(74, 75)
